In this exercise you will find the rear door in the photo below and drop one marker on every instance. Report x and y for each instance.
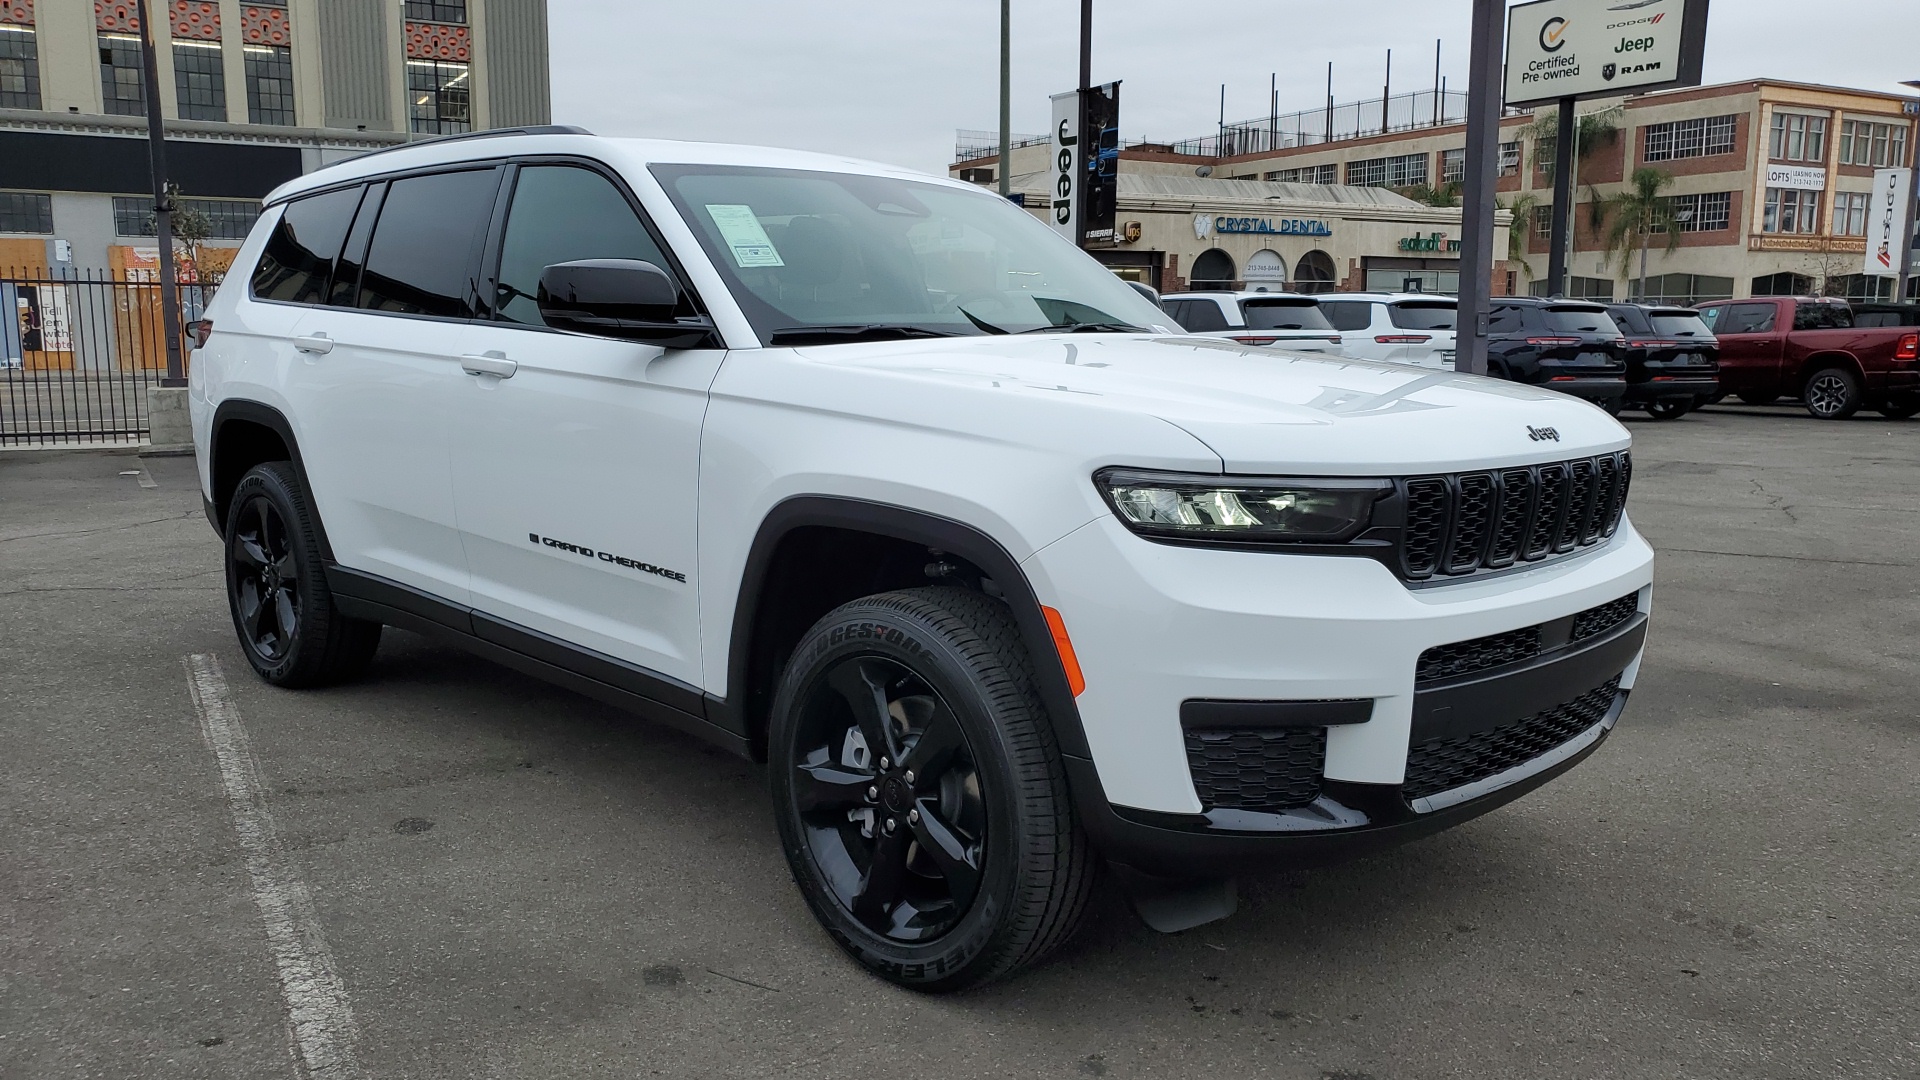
(1293, 323)
(576, 467)
(381, 372)
(1751, 346)
(1425, 328)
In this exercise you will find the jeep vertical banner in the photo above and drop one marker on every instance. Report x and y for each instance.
(1886, 218)
(1100, 143)
(1596, 48)
(1065, 168)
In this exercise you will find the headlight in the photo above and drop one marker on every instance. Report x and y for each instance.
(1241, 509)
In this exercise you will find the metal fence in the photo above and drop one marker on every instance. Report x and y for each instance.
(78, 350)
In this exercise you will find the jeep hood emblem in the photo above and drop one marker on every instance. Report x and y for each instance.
(1542, 434)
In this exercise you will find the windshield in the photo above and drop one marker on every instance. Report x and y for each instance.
(1284, 315)
(1571, 320)
(818, 256)
(1422, 316)
(1680, 324)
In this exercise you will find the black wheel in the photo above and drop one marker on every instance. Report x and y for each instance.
(1669, 408)
(277, 588)
(1832, 394)
(919, 791)
(1714, 398)
(1901, 408)
(1755, 397)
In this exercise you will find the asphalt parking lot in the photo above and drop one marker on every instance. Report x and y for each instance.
(512, 881)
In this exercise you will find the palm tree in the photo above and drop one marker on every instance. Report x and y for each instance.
(1590, 132)
(1633, 215)
(1522, 207)
(1447, 194)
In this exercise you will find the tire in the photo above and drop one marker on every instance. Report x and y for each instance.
(1901, 409)
(1831, 394)
(277, 591)
(1669, 408)
(1715, 398)
(987, 868)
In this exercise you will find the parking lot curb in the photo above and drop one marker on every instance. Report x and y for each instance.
(116, 449)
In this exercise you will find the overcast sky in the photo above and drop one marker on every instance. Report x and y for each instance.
(891, 80)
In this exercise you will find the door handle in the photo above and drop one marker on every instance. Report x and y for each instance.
(318, 344)
(488, 363)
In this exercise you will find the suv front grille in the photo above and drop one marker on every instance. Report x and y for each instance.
(1479, 654)
(1439, 765)
(1466, 523)
(1257, 769)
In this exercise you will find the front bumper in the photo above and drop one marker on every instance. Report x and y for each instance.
(1155, 625)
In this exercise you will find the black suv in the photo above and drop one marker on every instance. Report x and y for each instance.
(1567, 345)
(1673, 360)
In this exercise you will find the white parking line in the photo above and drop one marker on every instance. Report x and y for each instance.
(319, 1018)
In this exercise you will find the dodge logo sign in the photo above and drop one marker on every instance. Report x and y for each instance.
(1542, 434)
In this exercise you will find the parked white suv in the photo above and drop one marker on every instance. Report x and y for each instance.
(1401, 328)
(870, 476)
(1287, 321)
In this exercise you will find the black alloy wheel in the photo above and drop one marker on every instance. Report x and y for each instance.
(1669, 408)
(283, 612)
(889, 796)
(920, 794)
(266, 582)
(1832, 394)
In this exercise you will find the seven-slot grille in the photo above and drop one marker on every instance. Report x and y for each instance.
(1469, 522)
(1458, 658)
(1262, 770)
(1439, 765)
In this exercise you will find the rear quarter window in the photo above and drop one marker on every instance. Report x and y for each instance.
(1348, 314)
(1580, 321)
(1284, 315)
(1199, 316)
(298, 259)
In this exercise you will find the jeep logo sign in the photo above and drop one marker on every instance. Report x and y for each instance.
(1065, 209)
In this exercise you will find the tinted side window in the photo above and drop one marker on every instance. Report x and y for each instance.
(1747, 319)
(1348, 314)
(421, 259)
(346, 271)
(1504, 320)
(1201, 316)
(561, 214)
(1423, 316)
(298, 259)
(1821, 317)
(1632, 320)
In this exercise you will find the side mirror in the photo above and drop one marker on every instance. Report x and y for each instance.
(1146, 291)
(623, 298)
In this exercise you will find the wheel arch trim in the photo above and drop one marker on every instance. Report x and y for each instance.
(242, 409)
(917, 527)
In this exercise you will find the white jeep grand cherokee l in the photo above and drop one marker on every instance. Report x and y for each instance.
(870, 476)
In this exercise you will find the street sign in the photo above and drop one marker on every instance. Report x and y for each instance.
(1886, 220)
(1559, 49)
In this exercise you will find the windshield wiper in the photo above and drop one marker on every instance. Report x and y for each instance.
(1088, 328)
(829, 335)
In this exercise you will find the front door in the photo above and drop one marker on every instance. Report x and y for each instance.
(380, 372)
(1750, 349)
(576, 458)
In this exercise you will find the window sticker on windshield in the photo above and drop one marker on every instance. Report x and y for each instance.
(745, 238)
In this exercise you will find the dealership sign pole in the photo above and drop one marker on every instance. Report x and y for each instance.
(162, 205)
(1476, 205)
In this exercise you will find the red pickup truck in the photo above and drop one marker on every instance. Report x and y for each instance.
(1795, 346)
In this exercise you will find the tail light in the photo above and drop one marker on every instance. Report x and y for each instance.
(1644, 344)
(1553, 341)
(199, 330)
(1256, 340)
(1402, 339)
(1909, 348)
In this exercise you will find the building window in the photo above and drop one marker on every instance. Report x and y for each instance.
(1543, 221)
(1453, 166)
(1579, 288)
(25, 212)
(443, 11)
(19, 68)
(1509, 158)
(1850, 213)
(1708, 212)
(228, 219)
(1703, 137)
(1308, 174)
(1874, 145)
(438, 89)
(1784, 283)
(269, 84)
(122, 90)
(1546, 156)
(1797, 137)
(1406, 170)
(1790, 210)
(199, 80)
(1685, 290)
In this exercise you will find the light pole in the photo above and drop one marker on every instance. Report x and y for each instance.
(1913, 187)
(162, 205)
(1006, 98)
(1476, 204)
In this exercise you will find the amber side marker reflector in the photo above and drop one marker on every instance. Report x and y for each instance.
(1063, 645)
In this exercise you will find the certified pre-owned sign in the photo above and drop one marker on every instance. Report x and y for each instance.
(1588, 48)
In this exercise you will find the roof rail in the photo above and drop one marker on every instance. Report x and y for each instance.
(490, 133)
